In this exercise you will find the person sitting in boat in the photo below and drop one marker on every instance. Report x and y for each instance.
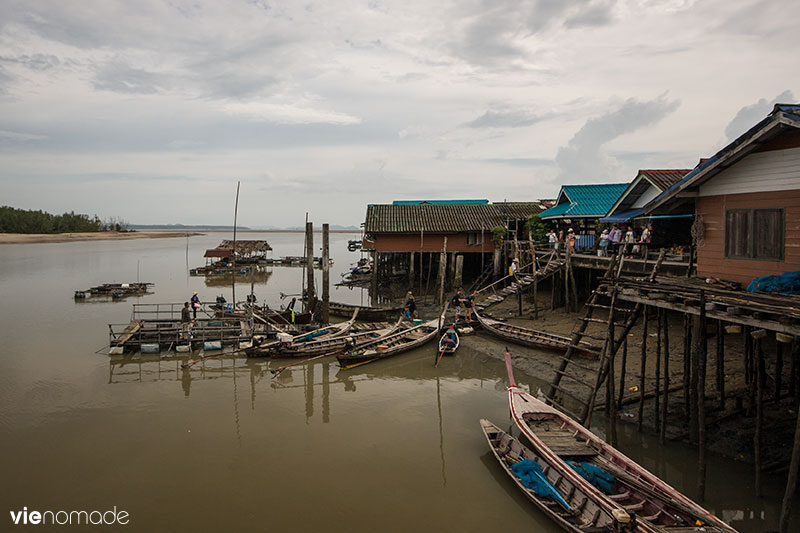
(449, 340)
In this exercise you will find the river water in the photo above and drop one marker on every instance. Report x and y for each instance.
(390, 446)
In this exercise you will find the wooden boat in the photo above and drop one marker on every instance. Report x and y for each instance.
(398, 342)
(339, 343)
(449, 350)
(570, 506)
(657, 505)
(533, 338)
(365, 313)
(327, 332)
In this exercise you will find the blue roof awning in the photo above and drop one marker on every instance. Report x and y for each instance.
(623, 216)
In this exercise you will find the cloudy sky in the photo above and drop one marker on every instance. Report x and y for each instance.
(152, 110)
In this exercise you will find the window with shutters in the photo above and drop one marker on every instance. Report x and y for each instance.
(474, 239)
(754, 234)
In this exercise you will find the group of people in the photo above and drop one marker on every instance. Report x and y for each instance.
(463, 304)
(622, 237)
(570, 238)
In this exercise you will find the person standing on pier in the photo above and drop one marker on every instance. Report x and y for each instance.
(186, 320)
(195, 304)
(602, 250)
(552, 238)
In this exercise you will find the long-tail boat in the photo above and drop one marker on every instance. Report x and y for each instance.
(364, 312)
(399, 342)
(566, 502)
(339, 343)
(333, 330)
(573, 448)
(533, 338)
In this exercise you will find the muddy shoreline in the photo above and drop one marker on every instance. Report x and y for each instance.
(37, 238)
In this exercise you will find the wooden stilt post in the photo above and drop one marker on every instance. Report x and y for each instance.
(326, 277)
(687, 364)
(374, 281)
(610, 350)
(459, 278)
(794, 366)
(659, 340)
(567, 267)
(778, 370)
(693, 388)
(791, 482)
(430, 271)
(442, 271)
(721, 364)
(700, 336)
(665, 404)
(748, 344)
(760, 382)
(643, 367)
(411, 270)
(622, 370)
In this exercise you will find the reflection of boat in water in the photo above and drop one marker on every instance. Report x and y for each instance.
(569, 447)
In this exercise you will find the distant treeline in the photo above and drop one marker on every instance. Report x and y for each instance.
(14, 220)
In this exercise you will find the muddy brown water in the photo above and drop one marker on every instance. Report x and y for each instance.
(390, 446)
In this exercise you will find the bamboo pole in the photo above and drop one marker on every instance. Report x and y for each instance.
(665, 404)
(643, 367)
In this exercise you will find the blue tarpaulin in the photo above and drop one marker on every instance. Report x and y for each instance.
(594, 475)
(532, 476)
(786, 283)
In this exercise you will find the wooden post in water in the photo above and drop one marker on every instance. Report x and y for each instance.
(646, 313)
(665, 404)
(326, 276)
(760, 382)
(373, 282)
(233, 256)
(700, 336)
(791, 482)
(687, 365)
(312, 295)
(721, 364)
(535, 269)
(693, 389)
(610, 351)
(442, 271)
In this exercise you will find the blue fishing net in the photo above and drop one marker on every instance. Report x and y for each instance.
(594, 475)
(532, 476)
(786, 283)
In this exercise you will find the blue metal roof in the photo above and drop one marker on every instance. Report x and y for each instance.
(588, 201)
(623, 216)
(441, 202)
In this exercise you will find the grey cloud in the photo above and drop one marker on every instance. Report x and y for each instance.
(583, 158)
(749, 115)
(118, 77)
(38, 62)
(5, 80)
(598, 13)
(506, 119)
(522, 161)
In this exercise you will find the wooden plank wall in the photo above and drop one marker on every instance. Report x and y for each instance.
(711, 260)
(431, 242)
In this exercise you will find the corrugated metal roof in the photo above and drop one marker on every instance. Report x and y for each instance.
(442, 218)
(664, 178)
(586, 200)
(439, 202)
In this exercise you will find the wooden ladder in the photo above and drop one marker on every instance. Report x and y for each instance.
(604, 297)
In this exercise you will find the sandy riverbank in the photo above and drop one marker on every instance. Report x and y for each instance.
(32, 238)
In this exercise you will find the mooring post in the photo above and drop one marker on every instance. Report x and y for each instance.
(721, 364)
(701, 396)
(326, 277)
(665, 403)
(312, 295)
(791, 482)
(646, 313)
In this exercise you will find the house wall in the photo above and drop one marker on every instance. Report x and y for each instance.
(773, 170)
(711, 260)
(431, 242)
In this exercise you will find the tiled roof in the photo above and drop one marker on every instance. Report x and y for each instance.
(664, 178)
(442, 218)
(586, 200)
